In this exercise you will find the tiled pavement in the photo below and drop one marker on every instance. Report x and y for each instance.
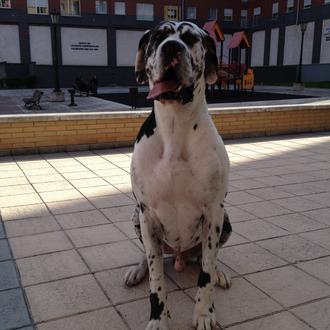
(66, 218)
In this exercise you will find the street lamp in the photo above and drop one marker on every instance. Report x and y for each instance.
(55, 18)
(303, 27)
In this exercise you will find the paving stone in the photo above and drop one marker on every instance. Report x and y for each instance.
(13, 311)
(289, 286)
(295, 223)
(320, 237)
(85, 183)
(26, 246)
(321, 215)
(121, 213)
(13, 181)
(16, 190)
(31, 226)
(110, 172)
(241, 197)
(39, 171)
(91, 192)
(11, 174)
(14, 201)
(81, 219)
(2, 232)
(242, 302)
(79, 175)
(54, 186)
(45, 178)
(111, 201)
(4, 250)
(235, 239)
(65, 297)
(103, 319)
(248, 258)
(72, 206)
(321, 198)
(50, 267)
(60, 195)
(316, 314)
(137, 313)
(293, 248)
(118, 179)
(320, 268)
(264, 209)
(236, 214)
(284, 321)
(257, 229)
(95, 235)
(23, 212)
(127, 227)
(301, 189)
(269, 193)
(297, 204)
(113, 284)
(8, 275)
(108, 256)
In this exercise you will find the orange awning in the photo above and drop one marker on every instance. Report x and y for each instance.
(239, 39)
(214, 30)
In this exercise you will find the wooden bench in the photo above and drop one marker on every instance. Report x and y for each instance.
(33, 103)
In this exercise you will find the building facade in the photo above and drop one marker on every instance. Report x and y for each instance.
(100, 37)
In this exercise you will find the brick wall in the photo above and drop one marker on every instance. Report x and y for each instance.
(47, 134)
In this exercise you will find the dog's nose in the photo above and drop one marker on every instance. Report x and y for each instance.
(171, 49)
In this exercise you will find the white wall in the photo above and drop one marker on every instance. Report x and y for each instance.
(81, 46)
(40, 44)
(258, 48)
(127, 43)
(292, 44)
(225, 48)
(273, 46)
(325, 45)
(9, 44)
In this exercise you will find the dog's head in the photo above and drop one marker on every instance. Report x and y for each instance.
(174, 57)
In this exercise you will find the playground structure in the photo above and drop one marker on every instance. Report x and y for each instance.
(234, 71)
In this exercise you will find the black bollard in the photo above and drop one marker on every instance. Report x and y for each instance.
(72, 93)
(133, 92)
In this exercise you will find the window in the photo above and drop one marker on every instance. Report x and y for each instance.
(37, 7)
(289, 6)
(256, 15)
(191, 13)
(70, 7)
(212, 14)
(120, 8)
(171, 13)
(228, 14)
(101, 7)
(144, 12)
(5, 4)
(275, 10)
(243, 18)
(307, 4)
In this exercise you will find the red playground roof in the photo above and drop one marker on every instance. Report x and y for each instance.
(214, 30)
(239, 39)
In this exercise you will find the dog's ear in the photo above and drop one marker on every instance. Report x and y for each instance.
(140, 59)
(211, 60)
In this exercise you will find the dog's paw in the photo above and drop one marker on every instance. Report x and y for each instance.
(222, 279)
(205, 322)
(157, 325)
(135, 274)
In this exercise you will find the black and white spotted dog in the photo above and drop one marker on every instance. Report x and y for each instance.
(179, 168)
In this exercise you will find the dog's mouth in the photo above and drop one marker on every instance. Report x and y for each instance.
(169, 88)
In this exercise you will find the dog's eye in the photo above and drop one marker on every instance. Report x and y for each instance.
(189, 39)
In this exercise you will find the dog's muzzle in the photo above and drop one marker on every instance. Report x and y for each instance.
(170, 87)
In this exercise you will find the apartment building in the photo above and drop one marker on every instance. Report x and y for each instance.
(100, 37)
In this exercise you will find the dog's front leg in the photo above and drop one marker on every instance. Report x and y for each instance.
(204, 314)
(154, 252)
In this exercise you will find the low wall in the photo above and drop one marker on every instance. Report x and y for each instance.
(62, 132)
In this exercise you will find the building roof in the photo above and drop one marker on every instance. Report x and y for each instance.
(214, 30)
(239, 39)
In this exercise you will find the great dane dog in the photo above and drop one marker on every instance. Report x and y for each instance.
(179, 168)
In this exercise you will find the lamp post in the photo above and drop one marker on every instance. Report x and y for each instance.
(57, 95)
(303, 27)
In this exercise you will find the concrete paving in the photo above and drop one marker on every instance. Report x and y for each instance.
(66, 240)
(11, 100)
